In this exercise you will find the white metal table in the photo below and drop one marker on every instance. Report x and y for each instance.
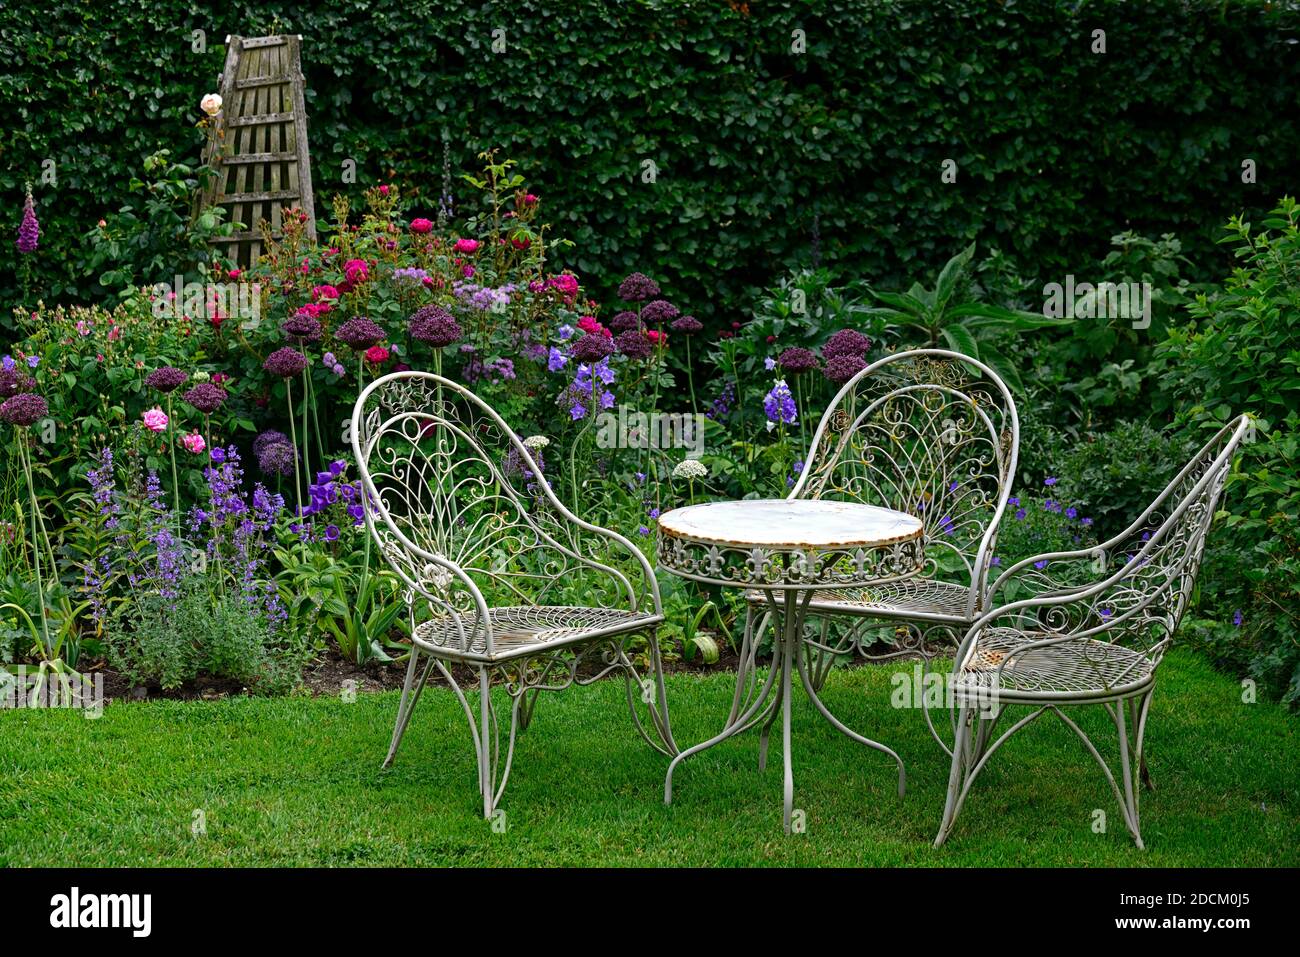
(788, 549)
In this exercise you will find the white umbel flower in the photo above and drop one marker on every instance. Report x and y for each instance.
(535, 442)
(690, 469)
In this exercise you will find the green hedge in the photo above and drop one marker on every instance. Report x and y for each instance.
(766, 158)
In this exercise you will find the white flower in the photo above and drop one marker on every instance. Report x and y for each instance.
(211, 104)
(690, 469)
(534, 442)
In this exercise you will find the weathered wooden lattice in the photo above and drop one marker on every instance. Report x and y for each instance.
(260, 152)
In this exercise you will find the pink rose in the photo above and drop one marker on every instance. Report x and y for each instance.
(421, 225)
(324, 292)
(357, 270)
(466, 246)
(383, 190)
(193, 442)
(377, 354)
(155, 419)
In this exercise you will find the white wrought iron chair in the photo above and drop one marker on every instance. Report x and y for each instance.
(492, 563)
(1093, 631)
(932, 433)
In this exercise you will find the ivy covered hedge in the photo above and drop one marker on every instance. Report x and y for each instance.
(766, 155)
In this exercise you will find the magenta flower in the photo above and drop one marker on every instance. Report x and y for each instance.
(29, 230)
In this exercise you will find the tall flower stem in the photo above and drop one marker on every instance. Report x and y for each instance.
(171, 448)
(306, 436)
(573, 458)
(798, 411)
(293, 433)
(38, 527)
(690, 377)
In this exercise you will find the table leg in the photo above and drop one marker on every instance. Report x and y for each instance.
(741, 723)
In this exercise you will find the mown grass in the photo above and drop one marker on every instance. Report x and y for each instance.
(296, 781)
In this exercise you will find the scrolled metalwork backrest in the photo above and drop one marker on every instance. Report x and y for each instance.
(461, 509)
(1144, 576)
(932, 433)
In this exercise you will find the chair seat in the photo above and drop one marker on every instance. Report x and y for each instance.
(524, 629)
(906, 598)
(1078, 668)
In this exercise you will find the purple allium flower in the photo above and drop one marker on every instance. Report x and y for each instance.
(24, 409)
(285, 362)
(592, 348)
(206, 397)
(687, 324)
(625, 320)
(269, 437)
(29, 230)
(797, 359)
(659, 312)
(434, 326)
(846, 342)
(359, 333)
(634, 344)
(638, 287)
(277, 458)
(13, 381)
(165, 379)
(302, 327)
(842, 368)
(779, 406)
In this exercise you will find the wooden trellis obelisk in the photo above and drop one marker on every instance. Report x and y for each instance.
(262, 160)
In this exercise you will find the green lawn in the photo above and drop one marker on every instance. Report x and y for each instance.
(297, 782)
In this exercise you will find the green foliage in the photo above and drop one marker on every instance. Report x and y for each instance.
(766, 159)
(1242, 354)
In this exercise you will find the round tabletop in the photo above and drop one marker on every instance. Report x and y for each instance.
(792, 543)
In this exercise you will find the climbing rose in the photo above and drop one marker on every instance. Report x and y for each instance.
(377, 354)
(211, 104)
(421, 225)
(466, 246)
(193, 442)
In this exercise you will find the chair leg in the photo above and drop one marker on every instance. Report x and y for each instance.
(659, 720)
(1138, 717)
(411, 689)
(959, 755)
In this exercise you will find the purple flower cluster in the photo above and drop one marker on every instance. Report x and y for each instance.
(721, 406)
(634, 344)
(275, 454)
(841, 368)
(637, 287)
(434, 326)
(688, 325)
(588, 390)
(24, 409)
(331, 489)
(285, 362)
(360, 333)
(779, 406)
(625, 320)
(14, 380)
(484, 298)
(846, 342)
(166, 379)
(797, 359)
(29, 230)
(302, 327)
(592, 347)
(206, 397)
(659, 312)
(495, 370)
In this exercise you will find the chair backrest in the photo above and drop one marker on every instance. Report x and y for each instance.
(462, 511)
(1144, 576)
(932, 433)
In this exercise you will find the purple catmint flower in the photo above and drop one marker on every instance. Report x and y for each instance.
(24, 409)
(846, 342)
(166, 379)
(687, 324)
(434, 326)
(206, 397)
(637, 287)
(797, 359)
(842, 368)
(592, 348)
(359, 333)
(659, 312)
(285, 363)
(302, 327)
(29, 230)
(721, 406)
(634, 344)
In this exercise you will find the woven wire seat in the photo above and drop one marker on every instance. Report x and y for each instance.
(523, 629)
(907, 598)
(1003, 658)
